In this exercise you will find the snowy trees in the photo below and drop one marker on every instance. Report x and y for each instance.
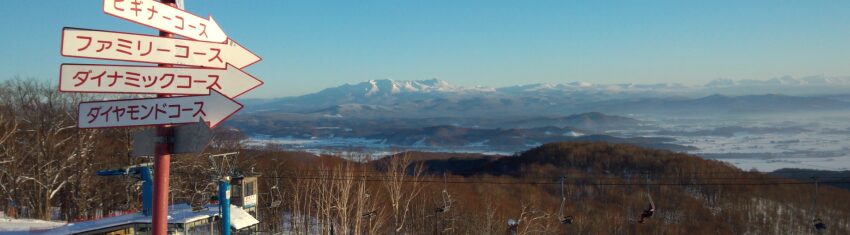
(43, 151)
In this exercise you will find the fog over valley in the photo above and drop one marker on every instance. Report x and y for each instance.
(753, 124)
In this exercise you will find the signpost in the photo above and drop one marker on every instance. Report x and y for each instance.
(206, 66)
(186, 139)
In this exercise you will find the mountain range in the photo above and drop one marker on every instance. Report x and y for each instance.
(437, 98)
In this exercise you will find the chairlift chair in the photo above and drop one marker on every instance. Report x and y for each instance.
(567, 219)
(650, 210)
(817, 222)
(819, 225)
(369, 214)
(447, 199)
(564, 219)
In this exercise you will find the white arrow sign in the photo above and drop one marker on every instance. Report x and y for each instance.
(107, 45)
(131, 79)
(166, 18)
(214, 108)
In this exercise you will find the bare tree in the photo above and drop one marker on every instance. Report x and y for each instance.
(8, 160)
(533, 221)
(50, 150)
(402, 187)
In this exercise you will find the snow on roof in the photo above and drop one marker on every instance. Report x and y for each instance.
(25, 226)
(177, 214)
(240, 218)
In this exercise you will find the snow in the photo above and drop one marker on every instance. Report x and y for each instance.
(26, 226)
(479, 144)
(822, 146)
(240, 218)
(573, 134)
(385, 87)
(360, 147)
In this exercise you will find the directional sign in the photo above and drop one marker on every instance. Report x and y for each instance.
(94, 44)
(166, 18)
(93, 78)
(185, 139)
(214, 108)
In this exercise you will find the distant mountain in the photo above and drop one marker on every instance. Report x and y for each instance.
(360, 110)
(825, 177)
(384, 92)
(594, 121)
(783, 81)
(509, 139)
(437, 98)
(721, 105)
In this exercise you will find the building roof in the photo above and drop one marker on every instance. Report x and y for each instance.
(177, 214)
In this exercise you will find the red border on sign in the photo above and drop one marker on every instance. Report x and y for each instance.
(62, 48)
(172, 123)
(140, 23)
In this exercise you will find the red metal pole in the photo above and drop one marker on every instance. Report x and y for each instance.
(162, 163)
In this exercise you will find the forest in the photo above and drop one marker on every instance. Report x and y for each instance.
(48, 165)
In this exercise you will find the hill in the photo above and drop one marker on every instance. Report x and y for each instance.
(605, 189)
(816, 175)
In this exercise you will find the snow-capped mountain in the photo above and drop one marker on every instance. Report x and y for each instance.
(627, 90)
(438, 98)
(782, 81)
(389, 87)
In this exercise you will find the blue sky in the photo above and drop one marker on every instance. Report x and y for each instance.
(310, 45)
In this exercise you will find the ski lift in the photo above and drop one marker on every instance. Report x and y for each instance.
(567, 219)
(275, 201)
(819, 225)
(447, 199)
(650, 210)
(447, 204)
(817, 222)
(512, 226)
(564, 219)
(370, 214)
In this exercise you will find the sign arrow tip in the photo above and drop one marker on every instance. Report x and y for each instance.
(222, 108)
(240, 56)
(236, 82)
(216, 33)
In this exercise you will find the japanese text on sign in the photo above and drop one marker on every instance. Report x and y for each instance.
(137, 79)
(141, 48)
(164, 17)
(175, 110)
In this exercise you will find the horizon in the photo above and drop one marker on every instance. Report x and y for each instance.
(720, 83)
(313, 45)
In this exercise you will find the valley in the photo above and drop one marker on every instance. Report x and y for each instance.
(751, 131)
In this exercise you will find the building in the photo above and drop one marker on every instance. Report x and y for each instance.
(182, 219)
(244, 193)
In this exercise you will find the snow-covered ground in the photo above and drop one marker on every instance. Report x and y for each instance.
(765, 144)
(822, 144)
(358, 147)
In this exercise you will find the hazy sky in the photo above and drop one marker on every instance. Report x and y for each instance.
(310, 45)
